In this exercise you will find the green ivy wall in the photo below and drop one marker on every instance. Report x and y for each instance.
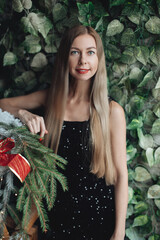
(30, 32)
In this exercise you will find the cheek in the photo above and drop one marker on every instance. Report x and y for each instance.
(95, 64)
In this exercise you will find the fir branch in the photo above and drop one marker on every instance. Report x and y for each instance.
(21, 198)
(58, 158)
(53, 192)
(41, 182)
(60, 177)
(14, 214)
(43, 187)
(42, 213)
(26, 211)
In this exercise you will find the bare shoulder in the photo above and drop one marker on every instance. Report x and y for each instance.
(117, 115)
(116, 109)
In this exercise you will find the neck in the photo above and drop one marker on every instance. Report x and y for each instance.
(80, 91)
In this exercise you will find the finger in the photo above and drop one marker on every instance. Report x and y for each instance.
(35, 125)
(29, 125)
(42, 128)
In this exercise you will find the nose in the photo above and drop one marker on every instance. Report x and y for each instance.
(82, 59)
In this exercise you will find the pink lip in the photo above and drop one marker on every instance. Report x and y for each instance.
(82, 71)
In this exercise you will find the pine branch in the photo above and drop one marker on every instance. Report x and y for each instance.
(14, 214)
(26, 211)
(43, 187)
(60, 177)
(21, 198)
(42, 213)
(53, 192)
(41, 182)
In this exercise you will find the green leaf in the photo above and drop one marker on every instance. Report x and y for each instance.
(116, 93)
(149, 155)
(86, 11)
(130, 194)
(59, 12)
(128, 38)
(141, 174)
(39, 61)
(26, 80)
(31, 44)
(128, 56)
(142, 54)
(148, 77)
(148, 117)
(157, 155)
(119, 68)
(140, 207)
(50, 47)
(9, 59)
(154, 192)
(157, 202)
(156, 127)
(135, 123)
(136, 74)
(145, 141)
(154, 237)
(158, 84)
(131, 152)
(35, 23)
(156, 138)
(99, 25)
(112, 52)
(114, 27)
(135, 17)
(133, 234)
(156, 110)
(153, 25)
(140, 220)
(116, 2)
(28, 26)
(17, 6)
(27, 4)
(156, 93)
(130, 211)
(155, 54)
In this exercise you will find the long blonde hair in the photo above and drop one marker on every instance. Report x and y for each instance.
(101, 164)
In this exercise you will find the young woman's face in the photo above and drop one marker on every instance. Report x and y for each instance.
(83, 59)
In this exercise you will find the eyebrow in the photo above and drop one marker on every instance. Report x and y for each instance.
(87, 48)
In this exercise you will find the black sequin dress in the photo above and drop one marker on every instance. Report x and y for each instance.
(87, 210)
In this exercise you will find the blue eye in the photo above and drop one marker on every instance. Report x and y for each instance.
(91, 52)
(74, 52)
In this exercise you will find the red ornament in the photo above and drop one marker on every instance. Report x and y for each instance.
(16, 162)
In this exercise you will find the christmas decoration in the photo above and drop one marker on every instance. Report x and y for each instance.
(38, 189)
(16, 162)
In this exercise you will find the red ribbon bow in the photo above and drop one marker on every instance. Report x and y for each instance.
(16, 162)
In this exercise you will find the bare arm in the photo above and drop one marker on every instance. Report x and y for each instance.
(118, 141)
(27, 102)
(19, 106)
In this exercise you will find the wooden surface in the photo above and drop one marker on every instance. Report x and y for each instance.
(30, 228)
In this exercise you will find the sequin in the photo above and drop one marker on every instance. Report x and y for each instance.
(87, 210)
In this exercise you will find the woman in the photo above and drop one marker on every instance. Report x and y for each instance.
(82, 125)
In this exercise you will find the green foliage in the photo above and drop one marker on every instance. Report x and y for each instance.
(130, 33)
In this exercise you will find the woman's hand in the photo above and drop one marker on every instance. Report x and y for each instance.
(34, 122)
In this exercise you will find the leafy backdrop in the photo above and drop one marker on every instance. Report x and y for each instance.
(130, 30)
